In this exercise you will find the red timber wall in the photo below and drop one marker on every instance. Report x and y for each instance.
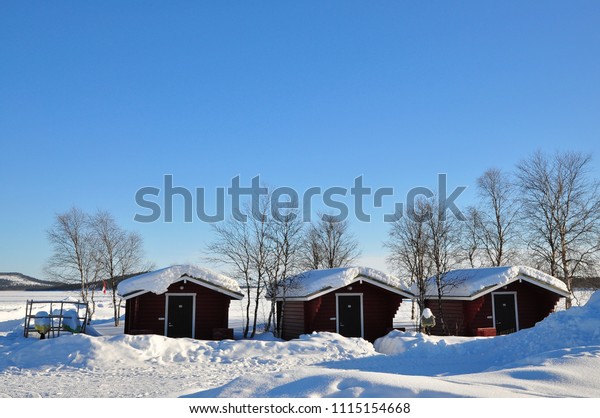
(319, 314)
(454, 317)
(534, 303)
(464, 317)
(293, 322)
(143, 312)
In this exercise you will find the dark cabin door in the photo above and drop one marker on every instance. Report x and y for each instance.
(505, 313)
(180, 316)
(350, 316)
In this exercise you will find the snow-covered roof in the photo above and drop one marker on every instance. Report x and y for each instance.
(473, 283)
(313, 283)
(158, 281)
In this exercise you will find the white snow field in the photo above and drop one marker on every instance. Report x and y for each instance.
(560, 357)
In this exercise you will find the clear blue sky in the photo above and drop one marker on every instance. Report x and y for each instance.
(99, 99)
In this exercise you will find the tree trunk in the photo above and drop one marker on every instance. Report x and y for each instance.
(440, 310)
(256, 306)
(269, 319)
(279, 320)
(114, 299)
(247, 318)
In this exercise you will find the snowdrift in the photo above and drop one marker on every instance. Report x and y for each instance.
(576, 327)
(83, 351)
(558, 357)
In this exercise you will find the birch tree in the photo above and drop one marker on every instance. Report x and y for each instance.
(118, 253)
(497, 216)
(408, 246)
(443, 234)
(425, 247)
(247, 249)
(561, 211)
(328, 243)
(232, 247)
(261, 248)
(284, 264)
(470, 243)
(73, 258)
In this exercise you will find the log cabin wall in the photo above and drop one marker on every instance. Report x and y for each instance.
(465, 317)
(143, 313)
(319, 314)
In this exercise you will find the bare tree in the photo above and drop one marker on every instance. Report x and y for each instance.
(444, 240)
(470, 239)
(284, 262)
(539, 208)
(497, 215)
(118, 253)
(232, 247)
(408, 245)
(328, 244)
(109, 239)
(92, 293)
(248, 250)
(130, 259)
(73, 257)
(562, 211)
(261, 247)
(312, 254)
(426, 247)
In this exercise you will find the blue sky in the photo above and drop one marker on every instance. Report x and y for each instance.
(99, 99)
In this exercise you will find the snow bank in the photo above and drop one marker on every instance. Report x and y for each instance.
(575, 327)
(83, 351)
(559, 357)
(314, 281)
(158, 281)
(472, 281)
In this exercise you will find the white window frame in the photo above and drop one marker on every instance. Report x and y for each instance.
(516, 307)
(337, 312)
(167, 295)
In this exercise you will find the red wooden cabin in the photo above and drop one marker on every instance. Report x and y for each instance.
(354, 302)
(495, 300)
(179, 301)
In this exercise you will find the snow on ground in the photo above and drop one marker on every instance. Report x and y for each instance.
(559, 357)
